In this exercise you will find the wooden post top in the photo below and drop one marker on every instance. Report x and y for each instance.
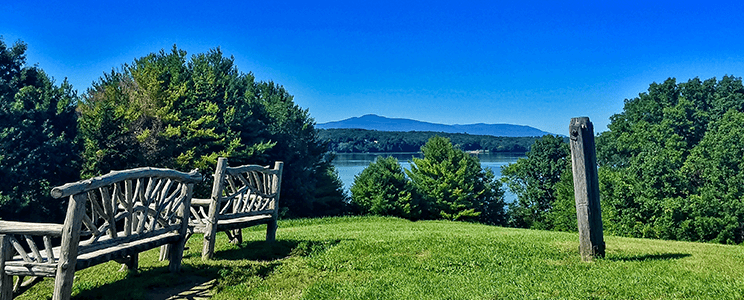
(580, 120)
(579, 124)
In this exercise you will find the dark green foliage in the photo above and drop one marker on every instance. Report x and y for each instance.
(383, 189)
(669, 165)
(535, 180)
(716, 171)
(162, 111)
(37, 138)
(330, 197)
(366, 141)
(311, 186)
(563, 214)
(453, 185)
(166, 111)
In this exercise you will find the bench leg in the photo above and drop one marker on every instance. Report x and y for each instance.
(175, 255)
(208, 247)
(6, 286)
(130, 263)
(235, 236)
(6, 281)
(63, 283)
(165, 252)
(271, 231)
(65, 274)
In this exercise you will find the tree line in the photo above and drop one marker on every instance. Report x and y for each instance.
(162, 110)
(373, 141)
(671, 166)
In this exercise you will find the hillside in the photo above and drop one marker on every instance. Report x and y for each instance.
(389, 258)
(375, 122)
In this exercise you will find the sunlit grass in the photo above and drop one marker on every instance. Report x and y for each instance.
(388, 258)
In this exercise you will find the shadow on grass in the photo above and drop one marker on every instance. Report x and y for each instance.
(271, 251)
(649, 257)
(156, 283)
(196, 282)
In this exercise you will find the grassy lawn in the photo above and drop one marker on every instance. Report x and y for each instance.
(388, 258)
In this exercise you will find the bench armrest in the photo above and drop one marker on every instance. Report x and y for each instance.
(29, 228)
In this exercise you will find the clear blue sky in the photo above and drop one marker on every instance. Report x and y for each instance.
(454, 62)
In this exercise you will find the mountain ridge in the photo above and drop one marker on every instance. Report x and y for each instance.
(380, 123)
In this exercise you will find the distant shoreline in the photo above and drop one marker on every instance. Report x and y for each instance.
(372, 141)
(482, 151)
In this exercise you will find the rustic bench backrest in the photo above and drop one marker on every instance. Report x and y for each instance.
(108, 217)
(241, 196)
(250, 189)
(126, 205)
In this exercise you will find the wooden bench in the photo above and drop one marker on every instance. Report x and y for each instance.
(241, 197)
(110, 217)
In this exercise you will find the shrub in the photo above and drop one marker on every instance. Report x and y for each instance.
(453, 185)
(383, 189)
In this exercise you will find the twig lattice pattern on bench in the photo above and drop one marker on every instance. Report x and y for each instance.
(247, 191)
(110, 217)
(241, 196)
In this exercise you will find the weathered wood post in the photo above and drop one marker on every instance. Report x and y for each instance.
(214, 207)
(6, 281)
(586, 189)
(276, 186)
(69, 249)
(175, 253)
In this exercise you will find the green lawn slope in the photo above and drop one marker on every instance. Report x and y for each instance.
(389, 258)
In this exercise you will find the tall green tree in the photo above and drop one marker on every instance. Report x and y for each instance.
(37, 138)
(383, 189)
(312, 185)
(169, 111)
(534, 180)
(453, 185)
(651, 162)
(330, 197)
(163, 111)
(563, 214)
(716, 170)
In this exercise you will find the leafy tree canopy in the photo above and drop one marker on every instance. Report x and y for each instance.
(37, 138)
(534, 180)
(664, 160)
(169, 111)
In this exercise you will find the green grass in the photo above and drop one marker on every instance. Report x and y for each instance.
(388, 258)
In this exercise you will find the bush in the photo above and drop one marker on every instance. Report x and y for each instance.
(453, 185)
(536, 180)
(382, 189)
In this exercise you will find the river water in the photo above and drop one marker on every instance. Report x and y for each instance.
(352, 164)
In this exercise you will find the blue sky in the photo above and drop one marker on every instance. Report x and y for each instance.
(456, 62)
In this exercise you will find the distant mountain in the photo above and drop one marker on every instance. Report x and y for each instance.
(375, 122)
